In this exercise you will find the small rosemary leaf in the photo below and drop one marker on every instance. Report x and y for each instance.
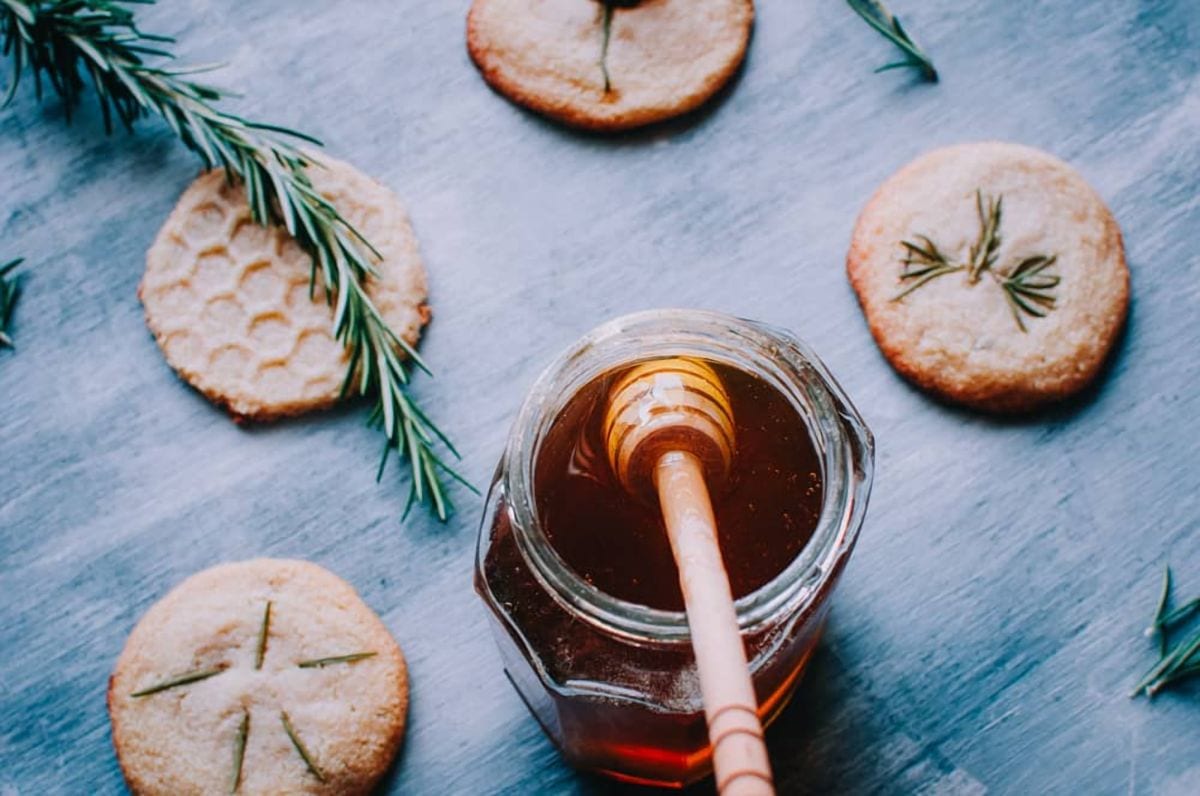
(1041, 282)
(239, 751)
(913, 273)
(1156, 627)
(453, 474)
(321, 663)
(934, 273)
(387, 450)
(275, 128)
(606, 27)
(1032, 295)
(1173, 660)
(412, 499)
(1180, 614)
(300, 748)
(23, 11)
(1179, 675)
(1019, 299)
(905, 64)
(263, 632)
(184, 679)
(927, 253)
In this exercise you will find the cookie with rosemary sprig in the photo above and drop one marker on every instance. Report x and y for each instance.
(258, 677)
(234, 307)
(609, 65)
(992, 275)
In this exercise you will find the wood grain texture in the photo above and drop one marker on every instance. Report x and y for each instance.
(986, 633)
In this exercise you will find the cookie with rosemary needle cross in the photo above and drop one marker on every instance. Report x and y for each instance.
(253, 676)
(991, 274)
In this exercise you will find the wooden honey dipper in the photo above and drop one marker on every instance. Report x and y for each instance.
(668, 429)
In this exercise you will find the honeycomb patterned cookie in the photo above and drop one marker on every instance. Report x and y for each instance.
(228, 300)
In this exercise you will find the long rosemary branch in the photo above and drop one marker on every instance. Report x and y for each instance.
(71, 43)
(10, 291)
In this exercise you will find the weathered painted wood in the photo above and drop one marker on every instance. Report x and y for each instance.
(988, 629)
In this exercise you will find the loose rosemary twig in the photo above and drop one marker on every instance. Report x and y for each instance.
(10, 291)
(75, 42)
(1178, 662)
(881, 19)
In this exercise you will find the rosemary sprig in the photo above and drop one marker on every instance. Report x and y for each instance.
(239, 751)
(1028, 288)
(321, 663)
(184, 679)
(983, 252)
(263, 632)
(73, 42)
(610, 7)
(10, 291)
(923, 262)
(300, 748)
(888, 25)
(1175, 663)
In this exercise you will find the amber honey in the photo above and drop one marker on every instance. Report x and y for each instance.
(616, 541)
(580, 577)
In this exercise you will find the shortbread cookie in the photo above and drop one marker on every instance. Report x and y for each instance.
(663, 58)
(259, 677)
(229, 302)
(992, 275)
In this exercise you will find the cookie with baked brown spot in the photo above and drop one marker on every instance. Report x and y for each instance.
(258, 677)
(609, 66)
(992, 275)
(229, 301)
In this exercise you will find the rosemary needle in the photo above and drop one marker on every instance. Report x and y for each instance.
(300, 748)
(72, 43)
(263, 632)
(10, 291)
(239, 751)
(610, 7)
(183, 679)
(321, 663)
(1156, 627)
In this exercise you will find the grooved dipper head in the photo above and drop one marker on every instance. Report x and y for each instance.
(667, 405)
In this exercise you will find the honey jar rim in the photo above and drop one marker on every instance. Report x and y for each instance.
(844, 444)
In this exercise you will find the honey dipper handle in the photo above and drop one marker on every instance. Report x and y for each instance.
(740, 760)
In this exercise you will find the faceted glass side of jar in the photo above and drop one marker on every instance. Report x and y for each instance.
(628, 709)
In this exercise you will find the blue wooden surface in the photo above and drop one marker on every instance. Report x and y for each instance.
(988, 629)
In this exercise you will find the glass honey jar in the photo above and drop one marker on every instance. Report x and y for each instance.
(578, 575)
